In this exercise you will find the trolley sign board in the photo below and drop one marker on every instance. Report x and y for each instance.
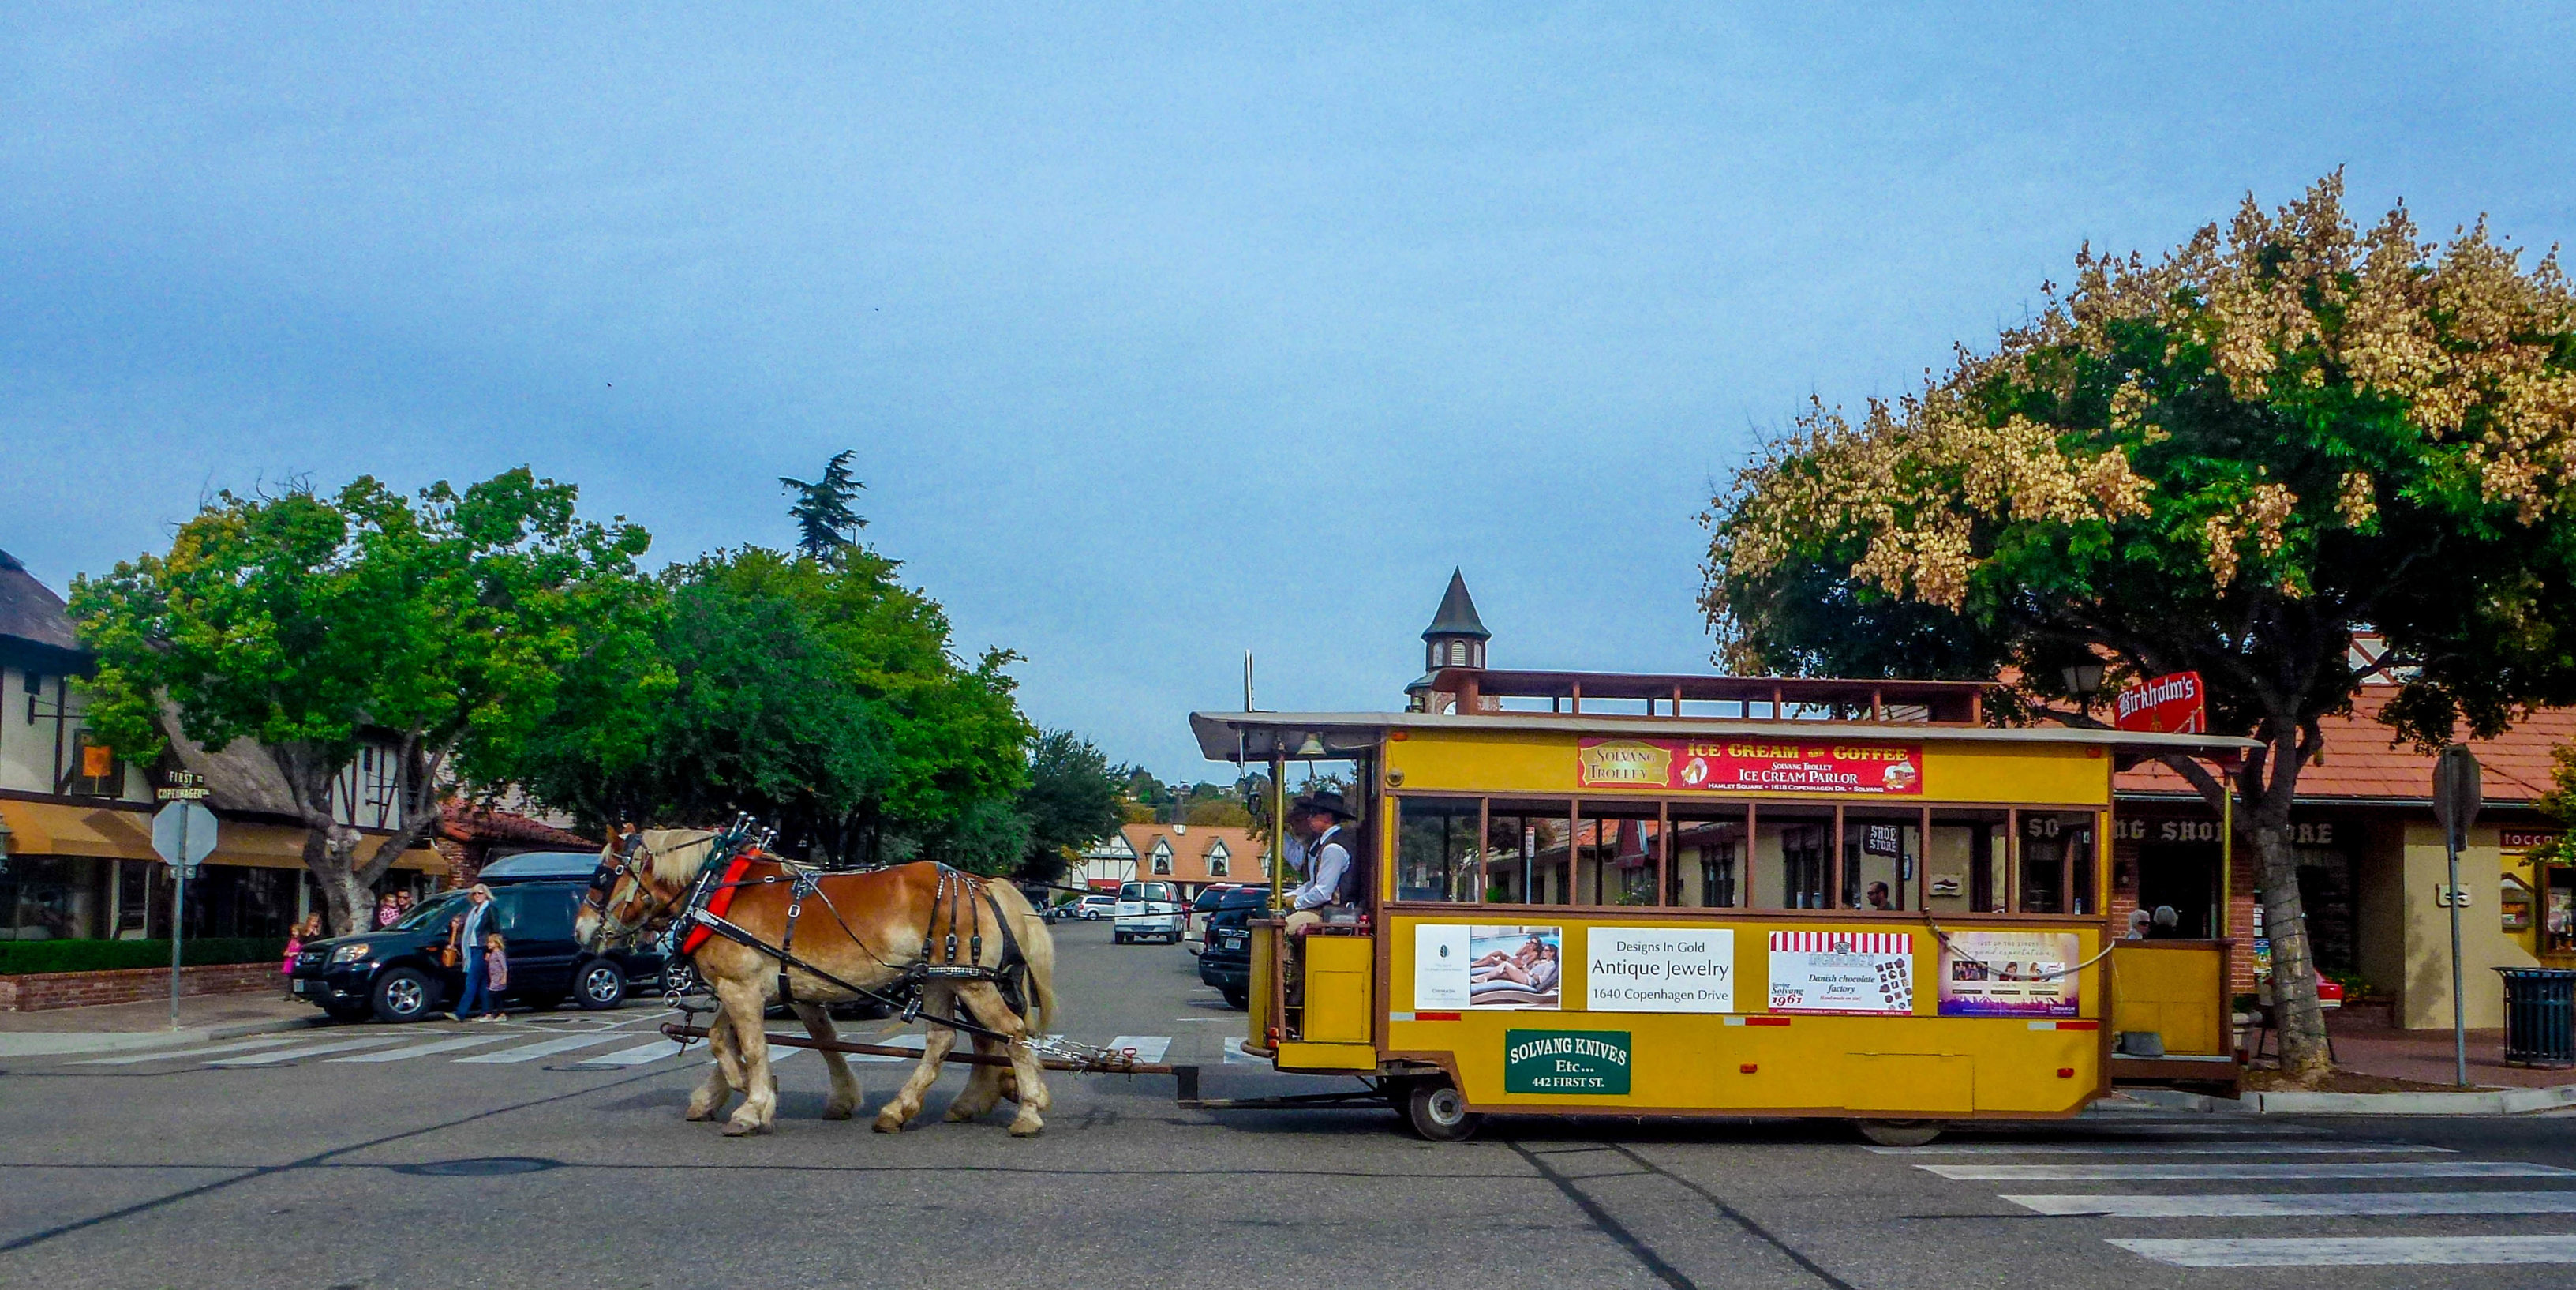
(1749, 765)
(1869, 973)
(1565, 1061)
(183, 833)
(2174, 704)
(2009, 974)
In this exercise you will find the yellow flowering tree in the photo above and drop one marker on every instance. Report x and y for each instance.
(2228, 460)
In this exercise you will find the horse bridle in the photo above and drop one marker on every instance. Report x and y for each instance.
(616, 861)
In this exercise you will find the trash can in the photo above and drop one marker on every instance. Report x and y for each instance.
(2539, 1016)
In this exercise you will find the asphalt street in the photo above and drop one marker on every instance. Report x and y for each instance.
(550, 1151)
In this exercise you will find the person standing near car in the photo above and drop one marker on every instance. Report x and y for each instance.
(1320, 817)
(465, 935)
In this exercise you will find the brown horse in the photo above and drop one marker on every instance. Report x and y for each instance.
(869, 935)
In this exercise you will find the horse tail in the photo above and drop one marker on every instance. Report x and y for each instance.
(1037, 946)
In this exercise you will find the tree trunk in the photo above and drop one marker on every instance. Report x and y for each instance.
(330, 848)
(2302, 1022)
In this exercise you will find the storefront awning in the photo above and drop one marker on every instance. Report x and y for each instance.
(112, 833)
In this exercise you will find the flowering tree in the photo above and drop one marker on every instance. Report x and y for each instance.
(2228, 460)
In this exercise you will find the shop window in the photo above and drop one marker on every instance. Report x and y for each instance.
(1526, 854)
(1436, 848)
(1616, 853)
(1707, 857)
(2057, 865)
(1790, 848)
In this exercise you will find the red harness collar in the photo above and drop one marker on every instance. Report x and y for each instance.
(719, 902)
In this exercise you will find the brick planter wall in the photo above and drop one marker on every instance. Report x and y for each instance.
(40, 991)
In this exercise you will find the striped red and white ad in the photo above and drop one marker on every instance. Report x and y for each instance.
(1844, 942)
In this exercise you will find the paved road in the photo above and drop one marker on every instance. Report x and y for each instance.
(550, 1152)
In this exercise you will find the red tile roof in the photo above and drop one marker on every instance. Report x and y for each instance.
(465, 822)
(2361, 763)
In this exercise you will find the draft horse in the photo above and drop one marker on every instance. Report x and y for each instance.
(823, 938)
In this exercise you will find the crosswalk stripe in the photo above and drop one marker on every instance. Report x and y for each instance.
(548, 1048)
(423, 1050)
(1149, 1048)
(2352, 1251)
(636, 1056)
(181, 1054)
(275, 1056)
(2248, 1170)
(2360, 1204)
(2170, 1149)
(1235, 1056)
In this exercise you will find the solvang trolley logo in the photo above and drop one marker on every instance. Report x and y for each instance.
(1565, 1061)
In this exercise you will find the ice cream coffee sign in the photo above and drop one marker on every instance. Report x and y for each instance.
(1752, 766)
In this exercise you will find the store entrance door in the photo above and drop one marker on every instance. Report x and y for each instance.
(2185, 876)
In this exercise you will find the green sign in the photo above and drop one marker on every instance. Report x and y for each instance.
(1565, 1061)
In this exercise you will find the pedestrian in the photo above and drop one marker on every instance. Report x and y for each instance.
(386, 910)
(465, 934)
(294, 946)
(496, 965)
(402, 900)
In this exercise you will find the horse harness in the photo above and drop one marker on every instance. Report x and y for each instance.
(703, 914)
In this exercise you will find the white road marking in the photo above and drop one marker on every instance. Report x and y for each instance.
(1149, 1048)
(549, 1048)
(2170, 1149)
(174, 1054)
(2248, 1169)
(2353, 1251)
(636, 1056)
(2305, 1204)
(290, 1054)
(424, 1050)
(1235, 1056)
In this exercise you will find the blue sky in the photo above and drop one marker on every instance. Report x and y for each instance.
(1164, 332)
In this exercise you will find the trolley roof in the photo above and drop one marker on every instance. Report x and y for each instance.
(1335, 736)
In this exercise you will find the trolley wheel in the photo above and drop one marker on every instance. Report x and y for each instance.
(1900, 1133)
(1437, 1112)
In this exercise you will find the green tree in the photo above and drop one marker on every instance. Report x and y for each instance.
(825, 521)
(443, 623)
(2226, 461)
(1071, 802)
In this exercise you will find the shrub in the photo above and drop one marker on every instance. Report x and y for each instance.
(27, 958)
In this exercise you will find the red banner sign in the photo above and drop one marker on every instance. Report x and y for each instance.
(1747, 765)
(2175, 704)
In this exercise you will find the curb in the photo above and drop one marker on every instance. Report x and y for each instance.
(2505, 1101)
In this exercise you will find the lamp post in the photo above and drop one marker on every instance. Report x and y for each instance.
(2083, 680)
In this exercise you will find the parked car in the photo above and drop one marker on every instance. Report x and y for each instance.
(393, 973)
(1091, 908)
(1226, 964)
(1194, 930)
(1147, 910)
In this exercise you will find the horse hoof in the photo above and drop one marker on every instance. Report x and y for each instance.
(887, 1124)
(738, 1129)
(1026, 1128)
(838, 1112)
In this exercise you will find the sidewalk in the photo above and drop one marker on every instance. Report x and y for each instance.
(115, 1026)
(2365, 1044)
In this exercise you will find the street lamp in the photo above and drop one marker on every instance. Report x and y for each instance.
(2083, 680)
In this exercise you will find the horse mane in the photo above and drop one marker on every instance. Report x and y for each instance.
(676, 855)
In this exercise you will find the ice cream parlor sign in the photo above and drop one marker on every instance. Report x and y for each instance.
(1742, 765)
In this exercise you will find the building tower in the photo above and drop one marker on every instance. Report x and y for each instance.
(1455, 638)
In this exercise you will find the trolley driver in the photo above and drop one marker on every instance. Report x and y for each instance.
(1318, 819)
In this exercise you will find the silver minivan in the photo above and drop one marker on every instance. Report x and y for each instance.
(1147, 911)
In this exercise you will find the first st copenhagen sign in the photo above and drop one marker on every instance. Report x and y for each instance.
(1742, 765)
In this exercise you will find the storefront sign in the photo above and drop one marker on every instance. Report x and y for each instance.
(1457, 968)
(1565, 1061)
(2008, 974)
(1859, 972)
(2523, 839)
(1659, 969)
(1752, 765)
(2174, 704)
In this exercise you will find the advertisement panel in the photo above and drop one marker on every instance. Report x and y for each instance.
(1565, 1061)
(1457, 968)
(1659, 969)
(1747, 765)
(1870, 973)
(2173, 704)
(2008, 974)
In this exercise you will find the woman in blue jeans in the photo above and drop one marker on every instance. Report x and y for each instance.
(466, 932)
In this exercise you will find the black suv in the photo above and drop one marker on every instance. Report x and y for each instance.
(393, 972)
(1226, 963)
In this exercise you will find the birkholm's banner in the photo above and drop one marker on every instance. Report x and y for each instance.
(1742, 765)
(2174, 704)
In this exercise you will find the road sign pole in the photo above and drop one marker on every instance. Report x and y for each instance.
(178, 918)
(2459, 1014)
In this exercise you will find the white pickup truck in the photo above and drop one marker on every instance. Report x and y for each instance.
(1147, 911)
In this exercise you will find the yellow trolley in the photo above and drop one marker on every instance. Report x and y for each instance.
(1665, 895)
